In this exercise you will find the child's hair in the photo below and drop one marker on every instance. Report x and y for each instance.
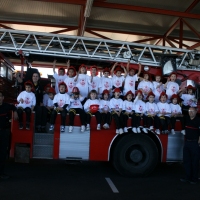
(84, 67)
(92, 91)
(94, 67)
(63, 83)
(106, 70)
(51, 90)
(29, 83)
(105, 92)
(72, 68)
(129, 92)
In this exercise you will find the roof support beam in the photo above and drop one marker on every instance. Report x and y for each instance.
(177, 42)
(98, 35)
(81, 21)
(181, 34)
(194, 46)
(170, 43)
(63, 30)
(4, 26)
(146, 40)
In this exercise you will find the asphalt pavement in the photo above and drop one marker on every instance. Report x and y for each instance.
(58, 180)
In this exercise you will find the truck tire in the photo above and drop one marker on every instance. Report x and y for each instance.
(135, 155)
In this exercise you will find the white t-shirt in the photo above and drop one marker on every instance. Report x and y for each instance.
(157, 90)
(187, 100)
(175, 108)
(69, 81)
(61, 99)
(76, 103)
(172, 88)
(139, 106)
(127, 106)
(29, 99)
(104, 105)
(105, 84)
(82, 84)
(151, 108)
(164, 107)
(95, 84)
(146, 86)
(50, 102)
(129, 84)
(58, 80)
(117, 81)
(116, 104)
(45, 99)
(90, 102)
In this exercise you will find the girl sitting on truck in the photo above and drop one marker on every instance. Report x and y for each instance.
(60, 101)
(127, 109)
(91, 107)
(176, 113)
(139, 108)
(76, 107)
(164, 112)
(105, 109)
(116, 105)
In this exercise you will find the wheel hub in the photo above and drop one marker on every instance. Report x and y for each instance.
(136, 155)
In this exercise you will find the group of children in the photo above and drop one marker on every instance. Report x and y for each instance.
(78, 93)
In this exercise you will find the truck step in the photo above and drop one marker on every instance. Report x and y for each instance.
(43, 151)
(43, 139)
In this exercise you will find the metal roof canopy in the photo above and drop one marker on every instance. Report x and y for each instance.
(168, 23)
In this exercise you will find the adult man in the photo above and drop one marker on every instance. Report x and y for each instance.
(191, 147)
(5, 109)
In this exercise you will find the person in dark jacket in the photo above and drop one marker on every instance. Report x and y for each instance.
(191, 147)
(5, 110)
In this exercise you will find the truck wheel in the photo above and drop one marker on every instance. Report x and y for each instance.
(135, 155)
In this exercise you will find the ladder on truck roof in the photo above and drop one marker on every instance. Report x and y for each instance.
(59, 45)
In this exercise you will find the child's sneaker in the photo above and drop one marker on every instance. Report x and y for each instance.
(172, 132)
(105, 126)
(125, 130)
(157, 131)
(144, 130)
(183, 132)
(51, 127)
(98, 127)
(21, 126)
(88, 127)
(166, 131)
(117, 131)
(82, 128)
(121, 131)
(27, 126)
(134, 130)
(62, 129)
(151, 127)
(138, 130)
(70, 129)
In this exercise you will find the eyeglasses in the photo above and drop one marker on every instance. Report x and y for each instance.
(191, 110)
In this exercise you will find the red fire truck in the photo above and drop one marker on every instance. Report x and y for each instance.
(131, 154)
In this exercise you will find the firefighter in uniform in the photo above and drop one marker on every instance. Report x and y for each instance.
(5, 109)
(191, 147)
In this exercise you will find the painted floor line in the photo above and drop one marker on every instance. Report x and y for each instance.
(112, 186)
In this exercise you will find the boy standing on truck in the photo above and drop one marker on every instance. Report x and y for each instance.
(131, 78)
(60, 76)
(27, 101)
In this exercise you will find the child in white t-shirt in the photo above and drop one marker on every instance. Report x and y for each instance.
(127, 109)
(69, 80)
(105, 109)
(82, 80)
(117, 77)
(164, 112)
(50, 105)
(145, 85)
(105, 81)
(158, 87)
(91, 107)
(171, 86)
(116, 106)
(131, 78)
(150, 117)
(176, 113)
(59, 77)
(76, 107)
(139, 109)
(189, 99)
(61, 101)
(27, 101)
(94, 80)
